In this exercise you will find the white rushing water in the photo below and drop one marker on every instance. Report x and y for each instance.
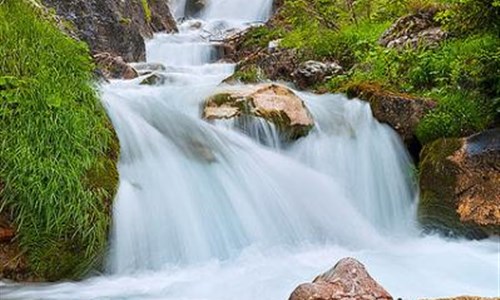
(217, 211)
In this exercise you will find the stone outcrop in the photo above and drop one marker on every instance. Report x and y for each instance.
(414, 30)
(274, 103)
(348, 280)
(460, 185)
(402, 112)
(117, 27)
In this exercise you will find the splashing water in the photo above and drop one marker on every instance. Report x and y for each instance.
(225, 210)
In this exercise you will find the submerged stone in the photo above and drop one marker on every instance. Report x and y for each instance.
(153, 79)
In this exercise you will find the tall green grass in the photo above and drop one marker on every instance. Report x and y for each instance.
(57, 149)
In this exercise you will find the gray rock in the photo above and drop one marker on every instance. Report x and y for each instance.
(312, 72)
(154, 79)
(147, 68)
(117, 27)
(413, 30)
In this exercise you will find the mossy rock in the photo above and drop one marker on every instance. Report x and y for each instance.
(459, 189)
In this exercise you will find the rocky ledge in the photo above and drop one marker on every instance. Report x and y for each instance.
(118, 27)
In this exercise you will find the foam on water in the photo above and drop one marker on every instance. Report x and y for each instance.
(226, 209)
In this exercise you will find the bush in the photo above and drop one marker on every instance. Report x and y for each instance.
(471, 16)
(57, 148)
(457, 115)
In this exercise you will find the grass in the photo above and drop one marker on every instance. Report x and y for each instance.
(57, 149)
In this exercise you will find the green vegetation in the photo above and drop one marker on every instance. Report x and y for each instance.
(57, 148)
(462, 73)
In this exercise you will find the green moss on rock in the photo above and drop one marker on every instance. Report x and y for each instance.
(438, 178)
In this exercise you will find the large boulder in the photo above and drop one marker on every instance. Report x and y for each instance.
(271, 102)
(419, 29)
(460, 185)
(116, 26)
(348, 280)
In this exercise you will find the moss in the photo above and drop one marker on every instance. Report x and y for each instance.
(125, 21)
(221, 99)
(250, 74)
(147, 10)
(102, 179)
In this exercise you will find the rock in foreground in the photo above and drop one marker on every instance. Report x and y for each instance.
(460, 184)
(348, 280)
(273, 103)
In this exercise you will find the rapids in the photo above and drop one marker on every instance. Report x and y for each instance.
(209, 211)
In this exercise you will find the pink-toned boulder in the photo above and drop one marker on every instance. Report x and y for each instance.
(348, 280)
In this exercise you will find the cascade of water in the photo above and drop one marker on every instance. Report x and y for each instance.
(225, 209)
(240, 10)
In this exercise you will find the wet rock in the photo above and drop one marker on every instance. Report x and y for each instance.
(153, 79)
(274, 103)
(414, 30)
(460, 185)
(194, 7)
(348, 280)
(146, 68)
(115, 26)
(402, 112)
(277, 65)
(114, 67)
(313, 72)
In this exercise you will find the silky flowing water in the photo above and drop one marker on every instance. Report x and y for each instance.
(219, 211)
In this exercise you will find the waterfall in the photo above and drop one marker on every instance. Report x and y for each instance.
(225, 209)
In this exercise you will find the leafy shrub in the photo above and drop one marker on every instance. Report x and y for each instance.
(457, 114)
(471, 16)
